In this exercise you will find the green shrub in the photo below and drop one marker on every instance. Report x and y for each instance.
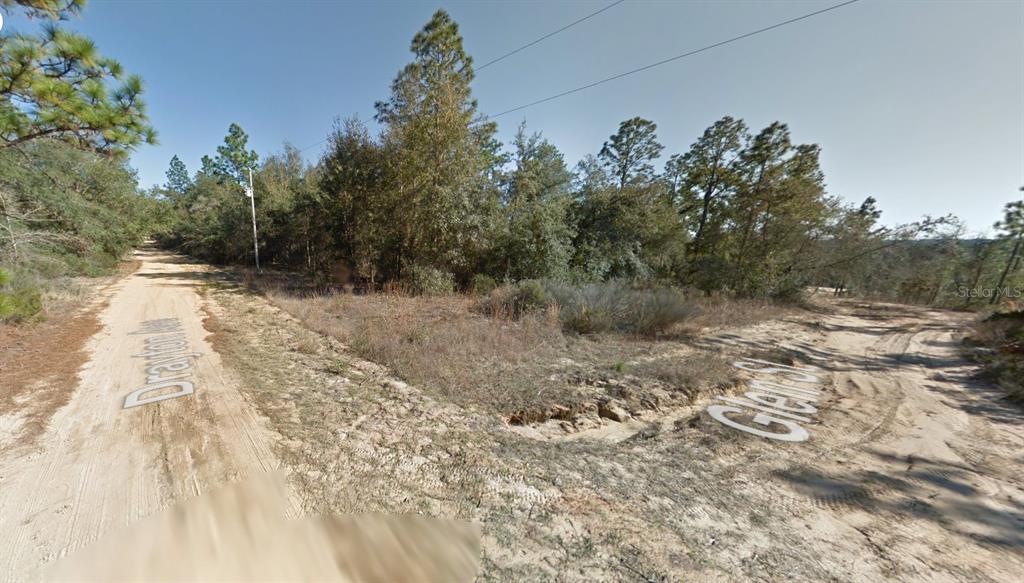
(18, 302)
(1003, 334)
(655, 311)
(514, 301)
(429, 281)
(482, 284)
(616, 305)
(789, 290)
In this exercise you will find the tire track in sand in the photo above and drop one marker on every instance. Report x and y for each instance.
(98, 466)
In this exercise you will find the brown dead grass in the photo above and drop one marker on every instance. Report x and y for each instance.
(441, 344)
(698, 372)
(524, 369)
(721, 312)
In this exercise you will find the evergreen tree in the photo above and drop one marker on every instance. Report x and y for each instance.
(1012, 227)
(537, 240)
(178, 180)
(629, 152)
(57, 85)
(708, 175)
(233, 160)
(357, 186)
(626, 222)
(778, 212)
(52, 9)
(442, 160)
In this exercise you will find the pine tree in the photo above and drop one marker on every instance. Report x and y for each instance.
(708, 175)
(442, 159)
(53, 9)
(629, 152)
(233, 160)
(64, 89)
(178, 180)
(1012, 227)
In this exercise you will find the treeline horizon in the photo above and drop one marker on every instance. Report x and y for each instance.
(434, 202)
(431, 201)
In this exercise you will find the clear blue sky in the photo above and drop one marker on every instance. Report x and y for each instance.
(920, 104)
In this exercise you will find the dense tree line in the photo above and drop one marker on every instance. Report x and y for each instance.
(434, 200)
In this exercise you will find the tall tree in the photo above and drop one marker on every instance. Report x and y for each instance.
(357, 186)
(707, 175)
(233, 160)
(628, 154)
(777, 213)
(625, 220)
(53, 9)
(57, 85)
(178, 179)
(536, 240)
(442, 159)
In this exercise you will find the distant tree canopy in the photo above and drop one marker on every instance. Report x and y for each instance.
(56, 85)
(433, 196)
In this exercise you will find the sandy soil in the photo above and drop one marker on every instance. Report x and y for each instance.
(98, 466)
(912, 471)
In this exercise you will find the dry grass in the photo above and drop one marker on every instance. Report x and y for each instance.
(523, 366)
(39, 361)
(721, 312)
(697, 373)
(439, 343)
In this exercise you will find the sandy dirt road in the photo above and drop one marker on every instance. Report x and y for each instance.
(99, 466)
(914, 466)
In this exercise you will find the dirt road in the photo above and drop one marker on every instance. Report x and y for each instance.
(912, 471)
(98, 465)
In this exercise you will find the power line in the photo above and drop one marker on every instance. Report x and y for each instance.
(677, 57)
(547, 36)
(645, 67)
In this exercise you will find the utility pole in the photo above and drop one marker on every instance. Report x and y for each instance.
(250, 192)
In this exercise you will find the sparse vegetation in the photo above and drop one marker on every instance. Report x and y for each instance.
(1002, 336)
(513, 352)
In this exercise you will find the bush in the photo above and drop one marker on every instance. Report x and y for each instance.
(18, 302)
(587, 309)
(482, 284)
(514, 301)
(788, 290)
(429, 281)
(594, 307)
(1003, 334)
(655, 311)
(615, 305)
